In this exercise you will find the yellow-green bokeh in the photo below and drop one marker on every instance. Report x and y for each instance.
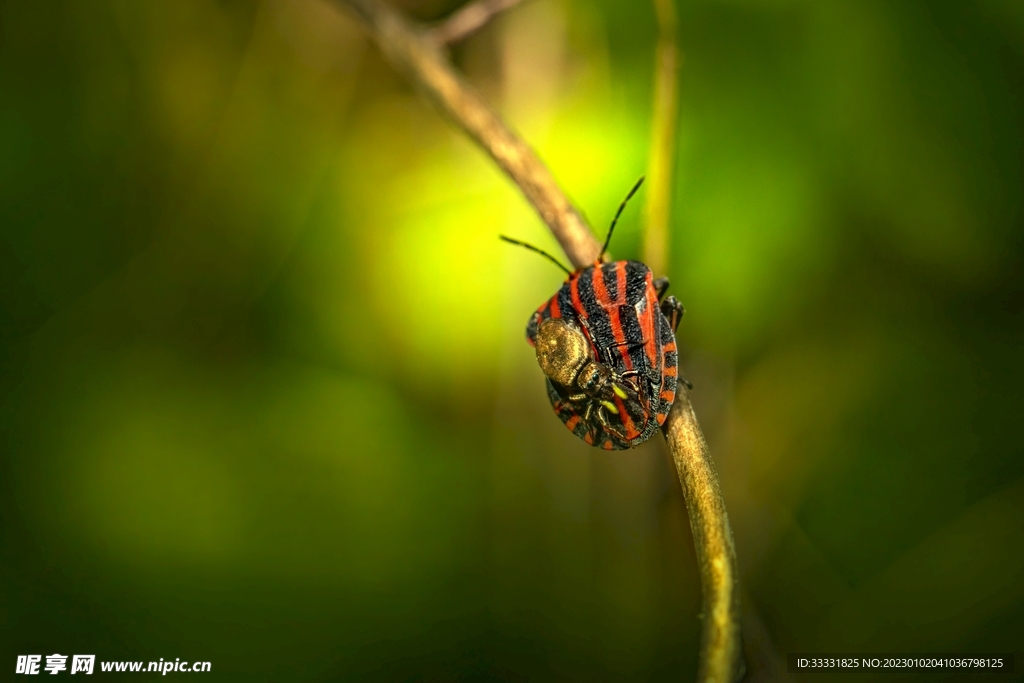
(266, 399)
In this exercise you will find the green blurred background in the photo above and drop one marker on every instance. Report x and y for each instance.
(266, 399)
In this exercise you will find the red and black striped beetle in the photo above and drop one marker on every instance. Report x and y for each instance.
(606, 343)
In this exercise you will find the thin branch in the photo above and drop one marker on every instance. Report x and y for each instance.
(716, 556)
(468, 20)
(720, 658)
(663, 139)
(412, 51)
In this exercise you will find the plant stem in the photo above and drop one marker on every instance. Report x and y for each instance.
(720, 658)
(470, 18)
(663, 139)
(716, 556)
(412, 50)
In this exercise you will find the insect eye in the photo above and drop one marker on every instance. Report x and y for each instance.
(588, 377)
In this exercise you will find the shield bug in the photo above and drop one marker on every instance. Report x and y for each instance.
(606, 344)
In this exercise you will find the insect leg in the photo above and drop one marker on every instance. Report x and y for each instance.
(673, 310)
(660, 286)
(608, 349)
(631, 378)
(603, 419)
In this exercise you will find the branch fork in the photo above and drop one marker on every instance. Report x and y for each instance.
(468, 20)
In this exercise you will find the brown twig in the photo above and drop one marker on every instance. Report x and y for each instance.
(720, 658)
(470, 18)
(716, 556)
(415, 52)
(412, 52)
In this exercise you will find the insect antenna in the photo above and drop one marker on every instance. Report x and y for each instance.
(539, 251)
(608, 239)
